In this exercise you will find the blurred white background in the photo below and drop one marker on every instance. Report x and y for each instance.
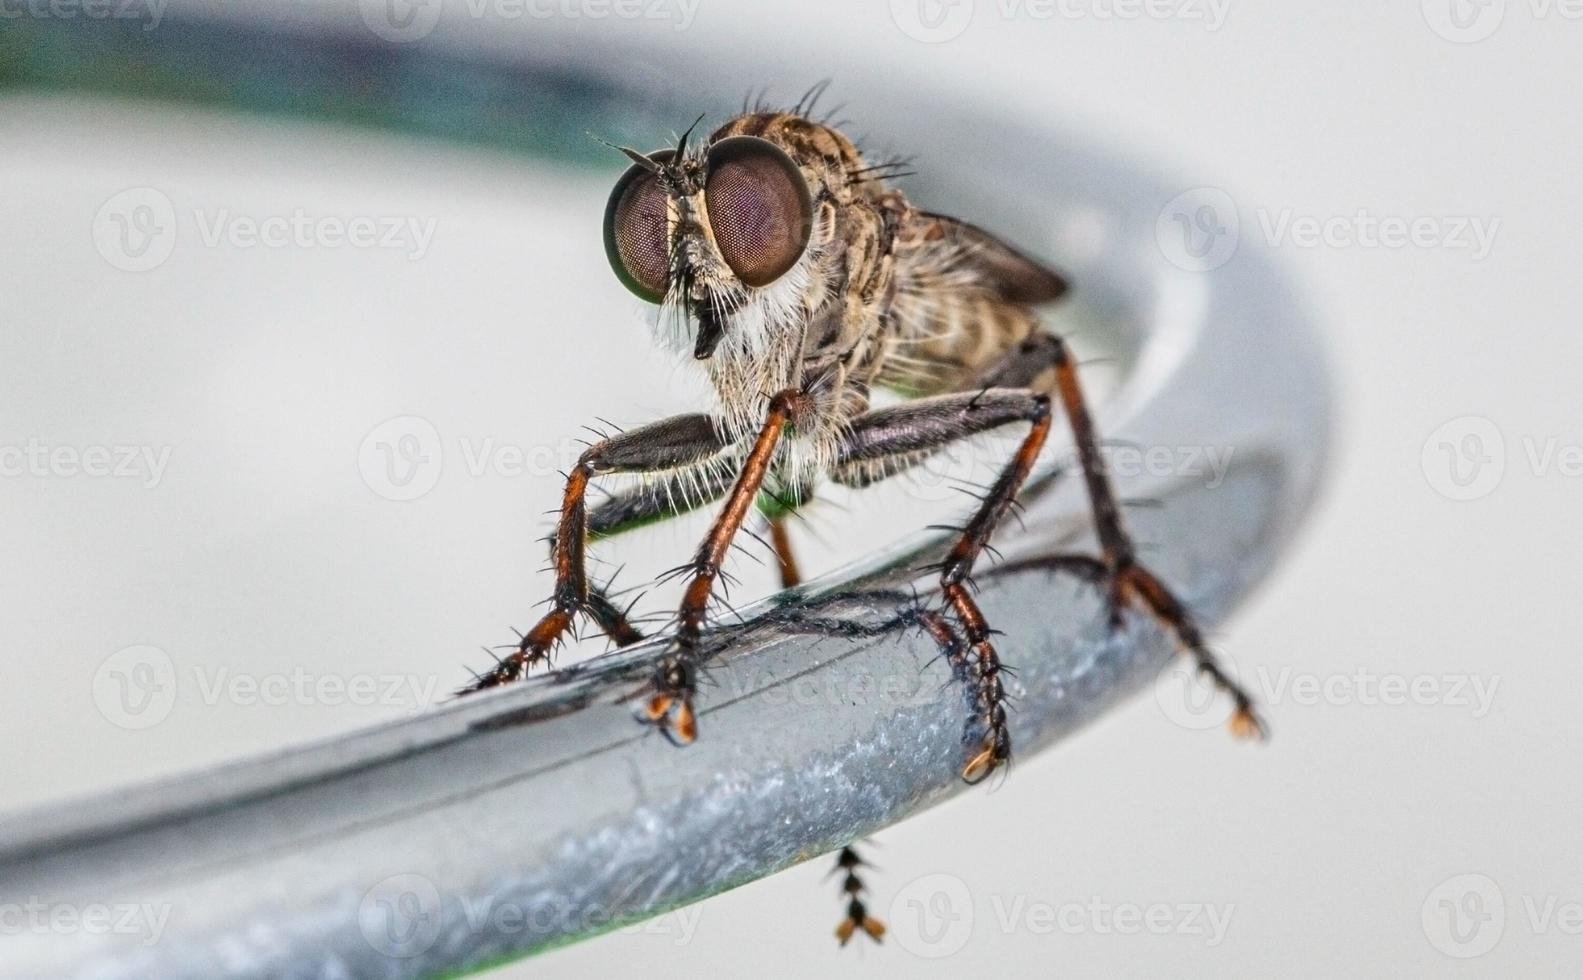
(1439, 569)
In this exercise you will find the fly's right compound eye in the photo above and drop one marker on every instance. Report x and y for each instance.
(637, 239)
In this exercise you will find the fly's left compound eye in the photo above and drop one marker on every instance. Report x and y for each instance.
(637, 239)
(759, 207)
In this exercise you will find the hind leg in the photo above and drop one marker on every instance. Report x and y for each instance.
(1045, 360)
(891, 440)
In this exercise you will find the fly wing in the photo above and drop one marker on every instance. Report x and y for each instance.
(961, 299)
(997, 267)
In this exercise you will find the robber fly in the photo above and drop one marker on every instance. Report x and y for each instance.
(800, 282)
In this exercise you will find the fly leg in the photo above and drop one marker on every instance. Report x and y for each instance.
(1043, 360)
(886, 441)
(779, 505)
(847, 863)
(780, 541)
(673, 495)
(675, 443)
(669, 705)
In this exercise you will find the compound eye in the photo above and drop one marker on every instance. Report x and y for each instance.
(637, 240)
(759, 207)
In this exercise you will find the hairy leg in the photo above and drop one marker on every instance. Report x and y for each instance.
(669, 706)
(882, 443)
(780, 541)
(892, 440)
(682, 441)
(779, 505)
(847, 863)
(1129, 580)
(671, 496)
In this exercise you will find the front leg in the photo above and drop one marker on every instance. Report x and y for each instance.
(670, 706)
(673, 443)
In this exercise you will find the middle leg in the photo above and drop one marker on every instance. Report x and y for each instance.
(780, 542)
(779, 506)
(887, 441)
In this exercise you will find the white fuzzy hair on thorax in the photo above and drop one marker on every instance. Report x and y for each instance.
(761, 344)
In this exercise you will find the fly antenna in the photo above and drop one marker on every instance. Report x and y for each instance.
(681, 144)
(642, 160)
